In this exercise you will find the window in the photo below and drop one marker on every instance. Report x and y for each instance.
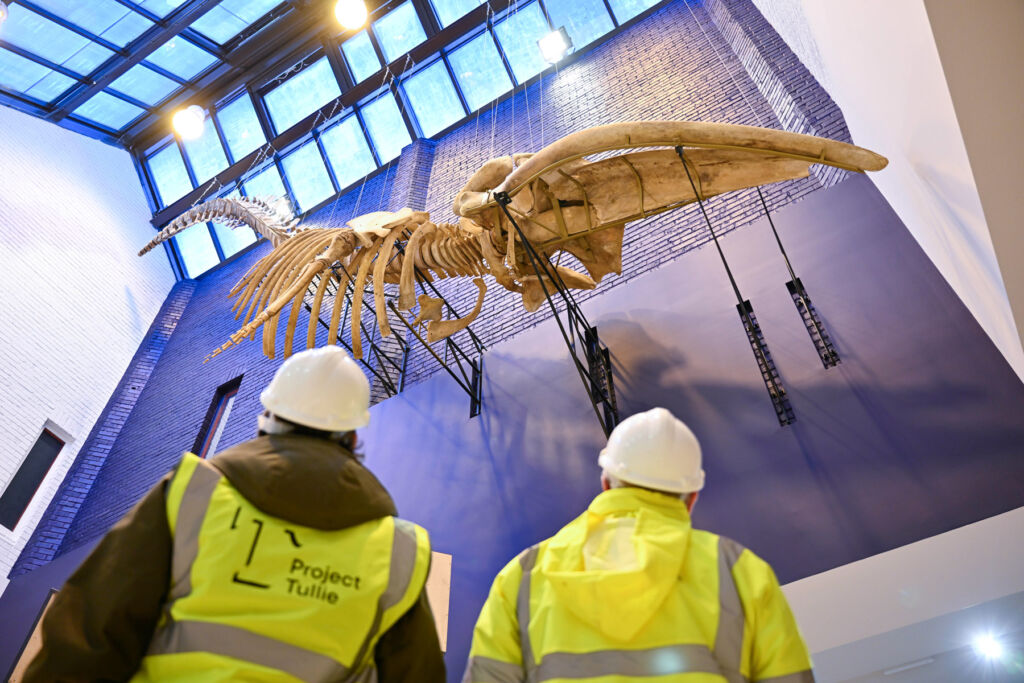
(196, 248)
(518, 35)
(450, 10)
(233, 240)
(168, 173)
(433, 98)
(347, 151)
(301, 95)
(399, 31)
(145, 85)
(205, 153)
(241, 128)
(386, 126)
(479, 70)
(627, 9)
(53, 42)
(584, 20)
(231, 17)
(22, 488)
(107, 110)
(34, 80)
(181, 58)
(307, 176)
(107, 19)
(266, 183)
(161, 8)
(362, 59)
(216, 418)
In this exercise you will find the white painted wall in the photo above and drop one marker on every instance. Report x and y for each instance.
(879, 62)
(75, 300)
(936, 577)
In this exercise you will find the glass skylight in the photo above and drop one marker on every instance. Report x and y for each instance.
(234, 240)
(301, 95)
(361, 57)
(266, 183)
(399, 31)
(386, 126)
(231, 17)
(145, 85)
(108, 111)
(450, 10)
(307, 176)
(518, 35)
(161, 8)
(479, 70)
(197, 251)
(584, 20)
(627, 9)
(107, 19)
(181, 58)
(34, 80)
(433, 98)
(52, 42)
(348, 152)
(169, 174)
(241, 127)
(205, 153)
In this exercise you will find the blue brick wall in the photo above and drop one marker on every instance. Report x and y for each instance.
(673, 64)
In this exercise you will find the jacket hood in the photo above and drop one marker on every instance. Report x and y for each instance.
(310, 481)
(625, 551)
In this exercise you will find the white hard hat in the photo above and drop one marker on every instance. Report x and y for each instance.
(654, 450)
(320, 388)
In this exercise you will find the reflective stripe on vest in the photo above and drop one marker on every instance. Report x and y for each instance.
(179, 637)
(725, 660)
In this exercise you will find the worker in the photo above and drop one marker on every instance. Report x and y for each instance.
(280, 559)
(629, 590)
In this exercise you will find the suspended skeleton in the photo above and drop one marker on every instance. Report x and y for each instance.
(560, 200)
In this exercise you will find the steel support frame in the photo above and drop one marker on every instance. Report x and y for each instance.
(595, 369)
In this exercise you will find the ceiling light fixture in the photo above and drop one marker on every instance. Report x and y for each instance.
(189, 122)
(988, 646)
(555, 45)
(351, 14)
(3, 11)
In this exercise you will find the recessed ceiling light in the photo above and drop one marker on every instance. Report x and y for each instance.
(351, 13)
(188, 122)
(555, 45)
(3, 11)
(988, 646)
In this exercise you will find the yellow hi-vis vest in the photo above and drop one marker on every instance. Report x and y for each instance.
(629, 591)
(258, 598)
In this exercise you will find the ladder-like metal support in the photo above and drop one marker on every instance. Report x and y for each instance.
(815, 327)
(772, 381)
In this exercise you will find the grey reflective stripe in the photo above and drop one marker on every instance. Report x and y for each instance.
(403, 563)
(199, 636)
(367, 675)
(527, 560)
(487, 670)
(658, 661)
(729, 636)
(798, 677)
(191, 512)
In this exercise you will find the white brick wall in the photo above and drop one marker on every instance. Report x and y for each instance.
(75, 300)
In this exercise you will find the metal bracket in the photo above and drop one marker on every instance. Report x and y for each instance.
(772, 382)
(596, 374)
(815, 328)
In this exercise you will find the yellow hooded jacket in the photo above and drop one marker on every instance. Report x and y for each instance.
(629, 590)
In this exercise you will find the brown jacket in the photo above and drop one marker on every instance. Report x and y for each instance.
(101, 622)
